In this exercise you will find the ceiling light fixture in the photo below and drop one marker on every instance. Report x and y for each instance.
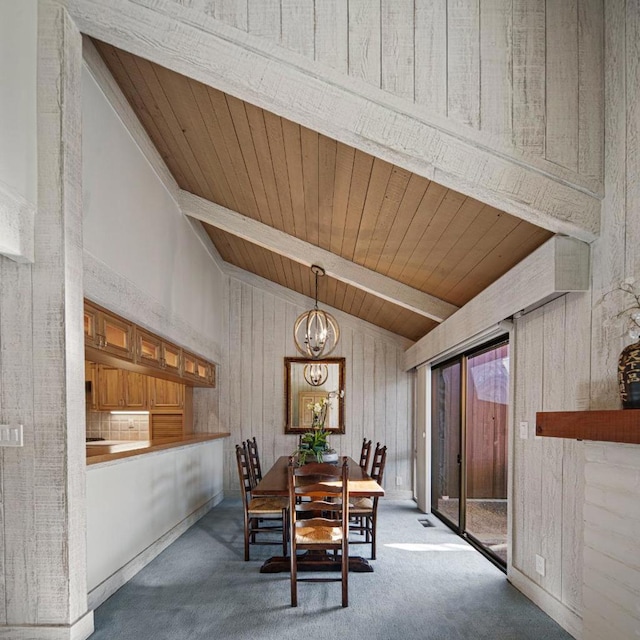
(316, 374)
(316, 332)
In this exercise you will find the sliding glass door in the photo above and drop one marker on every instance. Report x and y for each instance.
(470, 396)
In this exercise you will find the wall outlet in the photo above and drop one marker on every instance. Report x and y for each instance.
(11, 436)
(540, 565)
(398, 481)
(524, 430)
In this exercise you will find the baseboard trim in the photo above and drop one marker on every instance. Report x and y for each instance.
(116, 580)
(79, 630)
(570, 621)
(398, 494)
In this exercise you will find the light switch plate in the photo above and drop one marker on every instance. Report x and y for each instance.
(11, 436)
(524, 430)
(540, 565)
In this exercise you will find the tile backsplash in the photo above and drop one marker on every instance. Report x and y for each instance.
(102, 424)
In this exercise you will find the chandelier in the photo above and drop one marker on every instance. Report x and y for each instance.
(316, 374)
(316, 332)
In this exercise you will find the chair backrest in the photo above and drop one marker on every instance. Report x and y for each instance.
(319, 483)
(244, 471)
(254, 459)
(365, 453)
(379, 461)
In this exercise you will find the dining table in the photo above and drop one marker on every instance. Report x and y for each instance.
(276, 483)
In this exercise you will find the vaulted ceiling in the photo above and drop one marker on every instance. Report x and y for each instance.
(361, 208)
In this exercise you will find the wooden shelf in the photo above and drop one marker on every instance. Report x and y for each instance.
(603, 426)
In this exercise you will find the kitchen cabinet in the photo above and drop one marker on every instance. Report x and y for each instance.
(118, 389)
(107, 332)
(164, 394)
(197, 369)
(110, 338)
(155, 352)
(90, 382)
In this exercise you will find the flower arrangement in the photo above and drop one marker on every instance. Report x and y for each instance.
(313, 443)
(319, 412)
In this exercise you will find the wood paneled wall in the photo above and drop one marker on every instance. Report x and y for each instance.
(612, 471)
(378, 398)
(526, 72)
(550, 355)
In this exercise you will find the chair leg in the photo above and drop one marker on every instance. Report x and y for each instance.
(246, 538)
(294, 579)
(373, 535)
(285, 522)
(345, 577)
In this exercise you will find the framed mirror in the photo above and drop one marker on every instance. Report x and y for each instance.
(306, 383)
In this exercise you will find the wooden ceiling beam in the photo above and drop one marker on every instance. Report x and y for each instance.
(308, 254)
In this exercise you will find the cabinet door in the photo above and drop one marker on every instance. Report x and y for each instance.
(171, 358)
(189, 366)
(91, 326)
(110, 391)
(135, 391)
(166, 394)
(149, 348)
(91, 390)
(117, 337)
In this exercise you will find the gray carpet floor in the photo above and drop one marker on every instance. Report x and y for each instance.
(428, 584)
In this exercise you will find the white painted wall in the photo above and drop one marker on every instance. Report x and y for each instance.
(133, 502)
(18, 128)
(18, 71)
(137, 241)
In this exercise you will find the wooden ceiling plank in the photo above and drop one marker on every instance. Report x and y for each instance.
(362, 168)
(248, 151)
(499, 261)
(310, 172)
(432, 199)
(327, 151)
(355, 302)
(293, 149)
(258, 128)
(308, 254)
(345, 157)
(134, 87)
(393, 197)
(340, 294)
(515, 247)
(241, 186)
(504, 224)
(155, 78)
(460, 226)
(459, 252)
(442, 218)
(377, 187)
(285, 276)
(408, 208)
(275, 136)
(212, 150)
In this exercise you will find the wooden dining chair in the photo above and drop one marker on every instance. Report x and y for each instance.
(364, 510)
(319, 518)
(254, 459)
(365, 454)
(261, 515)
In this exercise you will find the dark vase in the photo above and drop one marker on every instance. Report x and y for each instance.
(629, 376)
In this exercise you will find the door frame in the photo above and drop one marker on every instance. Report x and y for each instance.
(460, 528)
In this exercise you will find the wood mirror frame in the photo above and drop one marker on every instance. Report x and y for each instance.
(295, 387)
